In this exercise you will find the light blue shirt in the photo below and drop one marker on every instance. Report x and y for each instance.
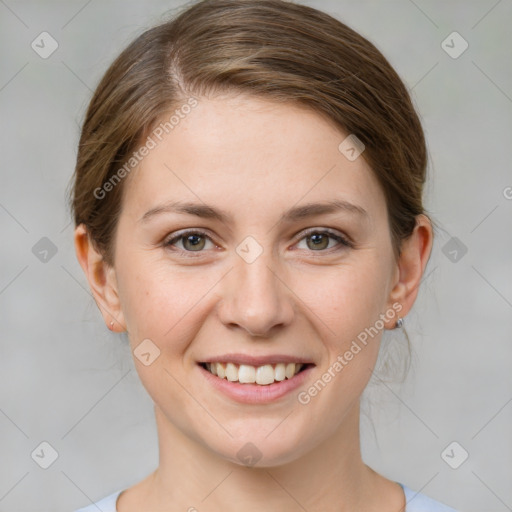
(416, 502)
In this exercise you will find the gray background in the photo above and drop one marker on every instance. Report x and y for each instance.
(66, 380)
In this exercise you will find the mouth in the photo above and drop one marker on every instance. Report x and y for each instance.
(264, 375)
(256, 379)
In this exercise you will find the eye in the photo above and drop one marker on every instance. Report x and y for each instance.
(319, 240)
(192, 241)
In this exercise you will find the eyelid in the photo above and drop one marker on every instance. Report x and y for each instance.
(341, 238)
(176, 237)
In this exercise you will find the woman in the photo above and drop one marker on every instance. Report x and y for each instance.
(248, 208)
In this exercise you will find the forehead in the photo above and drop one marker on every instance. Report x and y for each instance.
(239, 151)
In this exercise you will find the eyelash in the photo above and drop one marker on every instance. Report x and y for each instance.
(343, 242)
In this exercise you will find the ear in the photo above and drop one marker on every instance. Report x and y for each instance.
(101, 278)
(414, 256)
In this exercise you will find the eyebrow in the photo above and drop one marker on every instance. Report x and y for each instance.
(293, 214)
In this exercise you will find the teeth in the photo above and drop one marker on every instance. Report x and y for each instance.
(290, 370)
(231, 372)
(265, 374)
(247, 374)
(221, 369)
(280, 371)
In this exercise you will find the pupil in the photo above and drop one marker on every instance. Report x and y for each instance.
(318, 240)
(194, 241)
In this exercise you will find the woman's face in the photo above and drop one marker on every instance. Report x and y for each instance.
(256, 281)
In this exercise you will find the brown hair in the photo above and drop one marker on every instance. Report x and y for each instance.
(272, 49)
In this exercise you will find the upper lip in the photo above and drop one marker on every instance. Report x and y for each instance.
(239, 359)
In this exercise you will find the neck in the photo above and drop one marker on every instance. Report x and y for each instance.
(331, 477)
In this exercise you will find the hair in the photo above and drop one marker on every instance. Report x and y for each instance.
(271, 49)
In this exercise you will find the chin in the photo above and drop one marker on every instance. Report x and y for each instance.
(258, 451)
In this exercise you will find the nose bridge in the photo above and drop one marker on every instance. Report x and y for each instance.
(258, 299)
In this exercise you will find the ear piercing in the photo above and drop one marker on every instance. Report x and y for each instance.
(111, 325)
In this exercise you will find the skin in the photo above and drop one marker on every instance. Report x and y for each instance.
(255, 159)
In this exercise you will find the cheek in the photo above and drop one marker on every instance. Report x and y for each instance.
(346, 309)
(345, 299)
(161, 303)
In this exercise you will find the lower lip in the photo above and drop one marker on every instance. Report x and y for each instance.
(256, 393)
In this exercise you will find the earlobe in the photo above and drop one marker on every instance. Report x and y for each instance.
(415, 253)
(101, 278)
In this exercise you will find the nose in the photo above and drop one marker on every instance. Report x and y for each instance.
(256, 298)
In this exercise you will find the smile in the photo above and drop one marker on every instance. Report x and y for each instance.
(247, 374)
(255, 379)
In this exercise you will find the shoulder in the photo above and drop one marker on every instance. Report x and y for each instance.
(107, 504)
(417, 502)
